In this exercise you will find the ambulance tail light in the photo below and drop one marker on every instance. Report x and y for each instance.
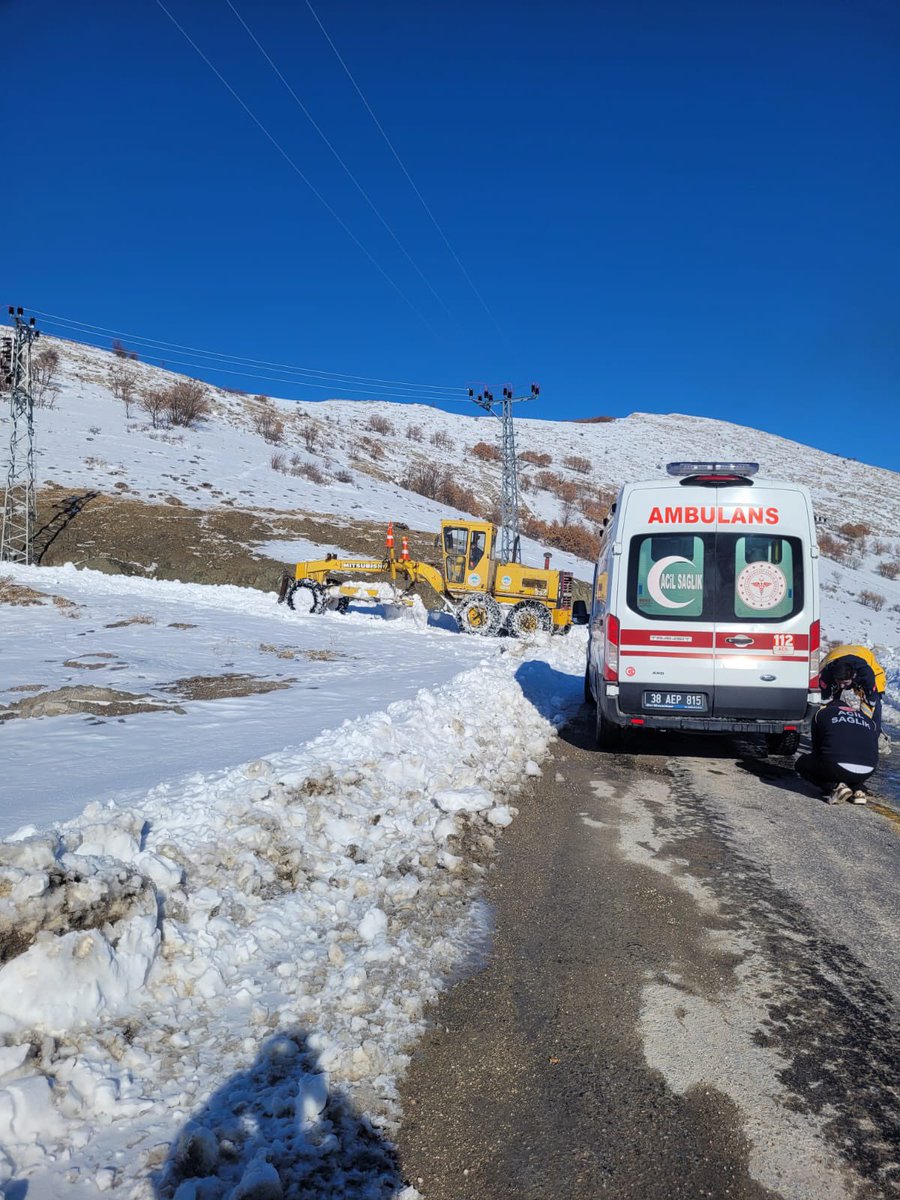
(814, 636)
(611, 650)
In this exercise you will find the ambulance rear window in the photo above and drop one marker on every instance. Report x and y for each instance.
(666, 575)
(766, 574)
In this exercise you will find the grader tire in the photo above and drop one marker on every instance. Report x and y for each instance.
(306, 596)
(527, 619)
(480, 614)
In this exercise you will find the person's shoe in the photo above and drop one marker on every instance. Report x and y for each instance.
(859, 797)
(838, 794)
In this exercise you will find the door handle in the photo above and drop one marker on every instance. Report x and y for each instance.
(740, 639)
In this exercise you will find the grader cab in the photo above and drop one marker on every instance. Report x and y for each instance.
(484, 596)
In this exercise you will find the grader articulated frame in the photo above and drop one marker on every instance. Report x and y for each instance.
(485, 597)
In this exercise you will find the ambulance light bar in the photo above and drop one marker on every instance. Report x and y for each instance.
(726, 469)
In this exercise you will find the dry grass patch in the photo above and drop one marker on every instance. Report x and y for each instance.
(181, 625)
(95, 701)
(18, 593)
(139, 620)
(223, 687)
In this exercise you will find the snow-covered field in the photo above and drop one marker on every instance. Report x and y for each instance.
(178, 650)
(243, 845)
(296, 911)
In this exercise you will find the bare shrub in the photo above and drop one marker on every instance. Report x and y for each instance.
(309, 471)
(486, 452)
(266, 421)
(854, 529)
(309, 431)
(889, 570)
(872, 600)
(121, 351)
(593, 420)
(153, 402)
(595, 508)
(833, 547)
(428, 479)
(123, 384)
(186, 402)
(575, 462)
(379, 424)
(442, 440)
(572, 538)
(414, 433)
(535, 458)
(880, 547)
(344, 476)
(373, 449)
(44, 376)
(277, 463)
(424, 479)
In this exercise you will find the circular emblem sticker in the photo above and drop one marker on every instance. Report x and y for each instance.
(474, 579)
(506, 581)
(761, 585)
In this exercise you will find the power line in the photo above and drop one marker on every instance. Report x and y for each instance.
(159, 344)
(359, 187)
(402, 166)
(372, 393)
(284, 154)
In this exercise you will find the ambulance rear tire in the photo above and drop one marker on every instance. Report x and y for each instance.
(609, 736)
(782, 745)
(588, 694)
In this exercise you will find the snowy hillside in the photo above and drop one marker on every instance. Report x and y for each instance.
(346, 464)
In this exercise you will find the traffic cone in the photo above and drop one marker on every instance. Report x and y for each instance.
(404, 549)
(389, 540)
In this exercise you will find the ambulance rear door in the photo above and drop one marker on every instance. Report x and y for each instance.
(766, 611)
(666, 601)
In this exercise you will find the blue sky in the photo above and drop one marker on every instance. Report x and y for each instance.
(659, 207)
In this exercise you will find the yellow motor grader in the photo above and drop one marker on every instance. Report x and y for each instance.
(484, 596)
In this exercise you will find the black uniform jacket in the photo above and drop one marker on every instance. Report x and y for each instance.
(841, 734)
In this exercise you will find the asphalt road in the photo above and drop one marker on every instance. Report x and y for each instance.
(691, 990)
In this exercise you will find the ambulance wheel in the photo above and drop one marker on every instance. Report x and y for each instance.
(306, 596)
(528, 618)
(480, 614)
(781, 745)
(609, 736)
(588, 694)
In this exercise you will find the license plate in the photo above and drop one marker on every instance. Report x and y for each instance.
(676, 701)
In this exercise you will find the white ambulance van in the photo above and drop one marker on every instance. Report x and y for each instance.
(705, 611)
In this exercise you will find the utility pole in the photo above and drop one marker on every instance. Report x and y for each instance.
(509, 485)
(17, 528)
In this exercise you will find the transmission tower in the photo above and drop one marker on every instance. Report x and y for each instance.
(17, 527)
(509, 484)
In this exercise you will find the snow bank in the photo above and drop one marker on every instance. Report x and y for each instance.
(321, 897)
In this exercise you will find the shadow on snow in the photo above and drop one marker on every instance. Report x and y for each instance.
(275, 1132)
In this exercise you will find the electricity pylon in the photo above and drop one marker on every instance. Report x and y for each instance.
(17, 528)
(509, 483)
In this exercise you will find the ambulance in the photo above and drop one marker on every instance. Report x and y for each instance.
(705, 608)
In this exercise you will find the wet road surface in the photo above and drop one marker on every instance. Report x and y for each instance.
(691, 991)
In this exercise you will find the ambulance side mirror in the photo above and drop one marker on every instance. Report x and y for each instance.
(579, 613)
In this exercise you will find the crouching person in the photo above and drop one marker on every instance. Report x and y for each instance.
(844, 752)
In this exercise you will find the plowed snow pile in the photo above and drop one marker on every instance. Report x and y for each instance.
(212, 990)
